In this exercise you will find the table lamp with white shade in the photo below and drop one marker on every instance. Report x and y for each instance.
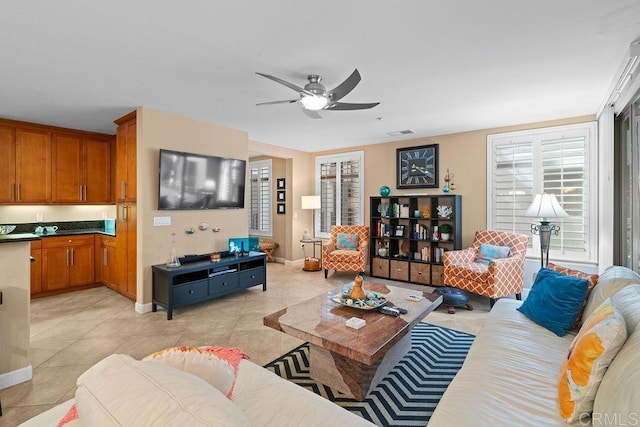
(545, 206)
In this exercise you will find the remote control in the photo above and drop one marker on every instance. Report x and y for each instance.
(401, 310)
(390, 311)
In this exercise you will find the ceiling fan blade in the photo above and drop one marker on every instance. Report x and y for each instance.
(350, 106)
(288, 101)
(346, 86)
(285, 83)
(311, 113)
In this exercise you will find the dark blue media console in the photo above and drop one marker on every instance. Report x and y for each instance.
(199, 281)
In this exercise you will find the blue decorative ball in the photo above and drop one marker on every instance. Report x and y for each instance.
(385, 191)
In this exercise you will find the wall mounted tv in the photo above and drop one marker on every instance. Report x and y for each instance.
(195, 181)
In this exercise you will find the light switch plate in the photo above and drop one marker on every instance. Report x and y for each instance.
(161, 221)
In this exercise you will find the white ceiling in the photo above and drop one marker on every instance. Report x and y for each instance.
(436, 67)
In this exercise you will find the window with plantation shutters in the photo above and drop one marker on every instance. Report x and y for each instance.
(559, 160)
(260, 197)
(340, 184)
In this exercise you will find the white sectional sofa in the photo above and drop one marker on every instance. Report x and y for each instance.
(510, 377)
(122, 391)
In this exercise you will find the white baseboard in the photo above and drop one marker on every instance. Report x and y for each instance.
(294, 263)
(16, 377)
(143, 308)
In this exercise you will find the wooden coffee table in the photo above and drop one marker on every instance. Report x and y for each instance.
(353, 361)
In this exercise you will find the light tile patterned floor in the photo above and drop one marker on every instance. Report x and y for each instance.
(71, 332)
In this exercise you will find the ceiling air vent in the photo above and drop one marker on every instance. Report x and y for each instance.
(401, 132)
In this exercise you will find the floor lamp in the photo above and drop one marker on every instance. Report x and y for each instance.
(311, 264)
(545, 206)
(310, 202)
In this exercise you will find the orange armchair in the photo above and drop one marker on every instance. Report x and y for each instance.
(501, 277)
(346, 259)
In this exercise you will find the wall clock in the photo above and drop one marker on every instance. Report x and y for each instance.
(417, 167)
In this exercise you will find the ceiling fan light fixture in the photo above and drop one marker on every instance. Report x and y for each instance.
(315, 102)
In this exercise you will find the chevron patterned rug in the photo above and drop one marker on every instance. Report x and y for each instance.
(408, 395)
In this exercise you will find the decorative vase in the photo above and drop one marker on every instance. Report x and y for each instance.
(444, 237)
(173, 259)
(357, 292)
(385, 191)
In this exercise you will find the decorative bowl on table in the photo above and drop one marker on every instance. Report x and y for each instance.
(373, 300)
(6, 229)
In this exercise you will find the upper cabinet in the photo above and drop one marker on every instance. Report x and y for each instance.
(25, 166)
(126, 137)
(48, 165)
(81, 169)
(33, 165)
(7, 164)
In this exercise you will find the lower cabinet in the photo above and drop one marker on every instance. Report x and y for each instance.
(106, 266)
(67, 262)
(199, 281)
(36, 267)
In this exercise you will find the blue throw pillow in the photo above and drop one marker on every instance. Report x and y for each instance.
(347, 241)
(555, 300)
(487, 253)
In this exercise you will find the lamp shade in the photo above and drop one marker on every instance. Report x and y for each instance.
(545, 205)
(310, 202)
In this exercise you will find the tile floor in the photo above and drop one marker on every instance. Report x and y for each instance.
(71, 332)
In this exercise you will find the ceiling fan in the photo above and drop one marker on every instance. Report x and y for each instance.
(314, 96)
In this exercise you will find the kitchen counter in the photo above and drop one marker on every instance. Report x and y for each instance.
(65, 228)
(76, 232)
(18, 237)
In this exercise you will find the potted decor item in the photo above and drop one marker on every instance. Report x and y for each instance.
(357, 292)
(445, 232)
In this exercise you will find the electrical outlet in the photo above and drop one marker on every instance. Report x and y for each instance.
(39, 217)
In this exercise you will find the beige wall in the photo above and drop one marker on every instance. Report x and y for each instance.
(278, 222)
(157, 130)
(299, 175)
(15, 366)
(465, 154)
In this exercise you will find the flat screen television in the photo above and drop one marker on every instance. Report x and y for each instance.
(196, 181)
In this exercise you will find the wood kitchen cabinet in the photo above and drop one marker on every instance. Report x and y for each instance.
(36, 266)
(81, 168)
(126, 149)
(67, 261)
(7, 163)
(106, 264)
(43, 164)
(25, 166)
(126, 209)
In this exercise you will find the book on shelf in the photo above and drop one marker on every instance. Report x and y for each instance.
(420, 232)
(425, 254)
(382, 229)
(399, 211)
(438, 253)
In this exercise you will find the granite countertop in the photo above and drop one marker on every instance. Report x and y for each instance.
(25, 231)
(77, 231)
(18, 237)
